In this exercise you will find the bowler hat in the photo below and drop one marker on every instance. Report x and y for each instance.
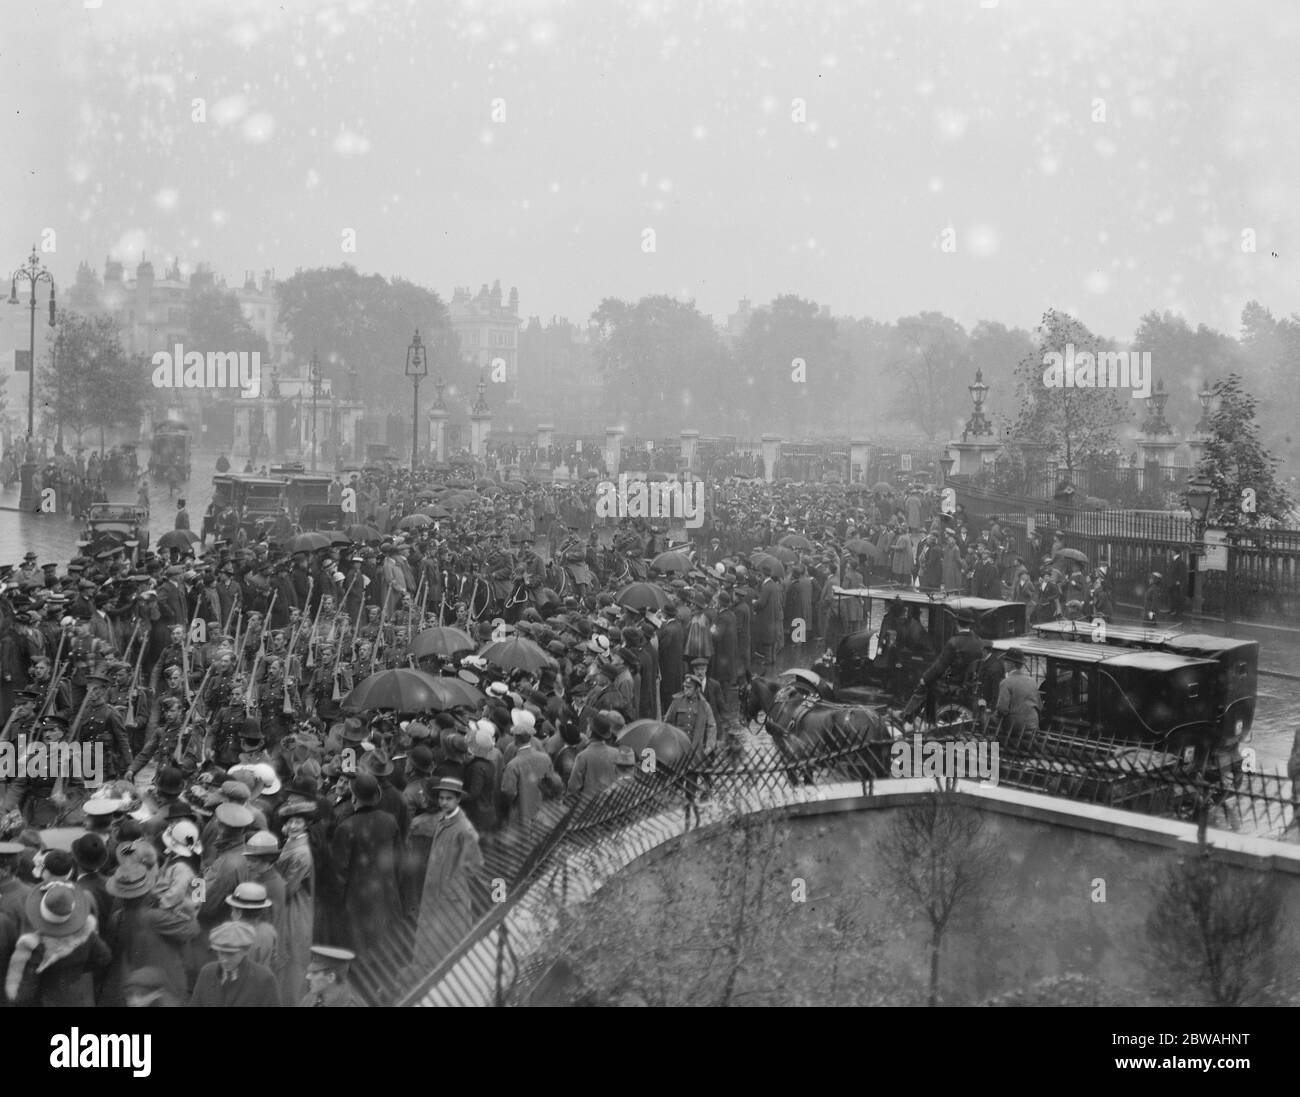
(1014, 656)
(249, 895)
(90, 853)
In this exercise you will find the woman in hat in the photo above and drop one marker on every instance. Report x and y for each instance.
(145, 934)
(55, 964)
(296, 867)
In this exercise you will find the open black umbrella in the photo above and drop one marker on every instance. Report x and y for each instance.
(516, 653)
(363, 532)
(641, 596)
(671, 745)
(405, 690)
(672, 561)
(442, 640)
(182, 540)
(307, 542)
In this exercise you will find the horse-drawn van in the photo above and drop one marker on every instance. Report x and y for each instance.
(882, 664)
(1100, 701)
(1234, 689)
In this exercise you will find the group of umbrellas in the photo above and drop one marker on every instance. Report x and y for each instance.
(404, 689)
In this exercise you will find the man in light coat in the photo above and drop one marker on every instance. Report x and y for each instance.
(455, 868)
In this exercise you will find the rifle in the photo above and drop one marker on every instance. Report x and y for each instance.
(73, 736)
(338, 655)
(379, 634)
(293, 647)
(55, 672)
(135, 677)
(178, 753)
(257, 661)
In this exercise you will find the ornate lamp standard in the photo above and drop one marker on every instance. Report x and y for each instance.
(31, 272)
(313, 374)
(1200, 496)
(417, 367)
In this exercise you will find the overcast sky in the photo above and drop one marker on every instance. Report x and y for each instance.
(377, 116)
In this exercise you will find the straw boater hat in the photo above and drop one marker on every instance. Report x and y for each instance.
(329, 958)
(248, 896)
(450, 784)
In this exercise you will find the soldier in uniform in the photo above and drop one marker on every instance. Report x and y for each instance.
(103, 723)
(327, 978)
(160, 747)
(33, 792)
(279, 703)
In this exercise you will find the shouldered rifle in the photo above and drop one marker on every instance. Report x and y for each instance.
(249, 700)
(179, 753)
(135, 676)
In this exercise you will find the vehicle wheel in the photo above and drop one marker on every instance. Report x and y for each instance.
(952, 712)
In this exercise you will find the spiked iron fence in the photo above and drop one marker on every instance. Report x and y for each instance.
(482, 949)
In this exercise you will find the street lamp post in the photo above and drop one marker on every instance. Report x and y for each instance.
(417, 367)
(1200, 495)
(313, 373)
(31, 272)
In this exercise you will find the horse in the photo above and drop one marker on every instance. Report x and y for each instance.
(805, 727)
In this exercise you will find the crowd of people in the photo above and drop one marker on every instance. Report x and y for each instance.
(252, 809)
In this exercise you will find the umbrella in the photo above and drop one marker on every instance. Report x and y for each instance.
(516, 653)
(861, 547)
(457, 483)
(415, 521)
(484, 484)
(883, 488)
(796, 541)
(407, 690)
(642, 596)
(338, 537)
(179, 539)
(1071, 554)
(770, 564)
(363, 533)
(307, 542)
(514, 487)
(672, 561)
(442, 640)
(426, 493)
(785, 554)
(671, 745)
(436, 510)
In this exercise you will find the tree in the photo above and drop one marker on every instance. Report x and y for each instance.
(1235, 460)
(88, 380)
(1076, 424)
(366, 323)
(661, 362)
(931, 365)
(1269, 360)
(216, 322)
(1213, 930)
(938, 862)
(790, 352)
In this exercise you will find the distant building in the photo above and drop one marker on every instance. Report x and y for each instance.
(152, 313)
(737, 322)
(488, 330)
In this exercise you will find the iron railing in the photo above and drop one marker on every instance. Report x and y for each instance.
(492, 951)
